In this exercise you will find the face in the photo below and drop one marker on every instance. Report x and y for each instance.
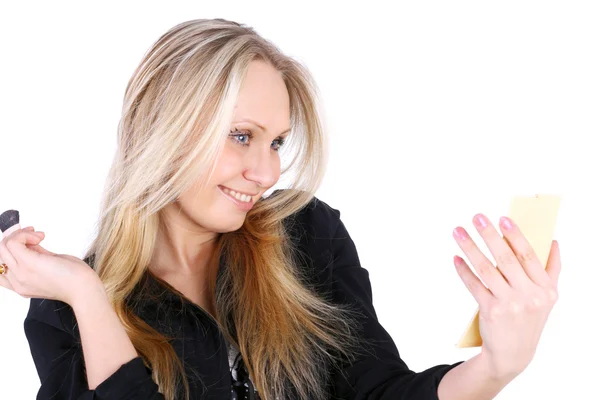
(250, 163)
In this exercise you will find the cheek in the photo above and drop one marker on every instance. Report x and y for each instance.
(277, 174)
(228, 165)
(231, 164)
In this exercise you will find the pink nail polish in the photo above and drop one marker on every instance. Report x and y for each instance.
(458, 260)
(506, 223)
(459, 233)
(480, 221)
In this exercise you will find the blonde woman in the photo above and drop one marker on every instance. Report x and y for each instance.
(199, 285)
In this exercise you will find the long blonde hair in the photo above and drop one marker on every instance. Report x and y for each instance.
(177, 108)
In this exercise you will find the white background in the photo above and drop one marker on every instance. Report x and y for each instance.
(436, 110)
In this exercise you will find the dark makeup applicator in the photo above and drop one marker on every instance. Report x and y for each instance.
(8, 219)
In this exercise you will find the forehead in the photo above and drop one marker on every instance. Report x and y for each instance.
(263, 97)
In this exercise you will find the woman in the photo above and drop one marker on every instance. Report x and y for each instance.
(203, 286)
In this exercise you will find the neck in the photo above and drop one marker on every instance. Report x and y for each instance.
(182, 247)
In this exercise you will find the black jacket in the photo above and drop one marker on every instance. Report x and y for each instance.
(52, 332)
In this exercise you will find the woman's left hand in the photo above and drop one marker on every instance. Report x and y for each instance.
(520, 293)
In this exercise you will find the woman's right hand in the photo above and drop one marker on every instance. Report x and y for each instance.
(34, 272)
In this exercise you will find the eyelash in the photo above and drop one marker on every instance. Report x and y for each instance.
(236, 132)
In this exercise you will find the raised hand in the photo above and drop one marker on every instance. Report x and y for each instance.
(520, 293)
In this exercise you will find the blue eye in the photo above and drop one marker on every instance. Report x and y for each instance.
(237, 134)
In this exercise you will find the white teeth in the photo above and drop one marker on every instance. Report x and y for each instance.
(241, 197)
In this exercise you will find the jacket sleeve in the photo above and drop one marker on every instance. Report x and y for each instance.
(380, 373)
(50, 328)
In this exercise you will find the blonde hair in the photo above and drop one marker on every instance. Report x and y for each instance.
(177, 107)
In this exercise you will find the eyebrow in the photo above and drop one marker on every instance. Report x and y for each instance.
(260, 126)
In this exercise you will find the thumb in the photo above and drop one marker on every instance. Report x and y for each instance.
(27, 240)
(38, 248)
(553, 266)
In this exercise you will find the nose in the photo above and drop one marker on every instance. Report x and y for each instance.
(262, 167)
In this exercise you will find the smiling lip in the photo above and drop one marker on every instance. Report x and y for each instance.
(238, 191)
(240, 204)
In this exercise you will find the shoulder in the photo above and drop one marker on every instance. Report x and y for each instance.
(317, 219)
(311, 231)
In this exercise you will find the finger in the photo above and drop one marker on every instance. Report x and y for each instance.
(5, 255)
(38, 248)
(6, 258)
(507, 261)
(17, 247)
(489, 274)
(40, 234)
(8, 251)
(10, 230)
(524, 252)
(554, 265)
(481, 294)
(5, 283)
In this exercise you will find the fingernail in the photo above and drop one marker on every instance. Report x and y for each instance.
(506, 223)
(460, 233)
(480, 221)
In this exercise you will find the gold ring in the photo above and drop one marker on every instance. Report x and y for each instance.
(3, 269)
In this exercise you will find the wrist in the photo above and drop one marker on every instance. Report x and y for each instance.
(492, 371)
(472, 379)
(89, 289)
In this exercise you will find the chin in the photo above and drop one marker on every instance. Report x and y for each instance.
(224, 228)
